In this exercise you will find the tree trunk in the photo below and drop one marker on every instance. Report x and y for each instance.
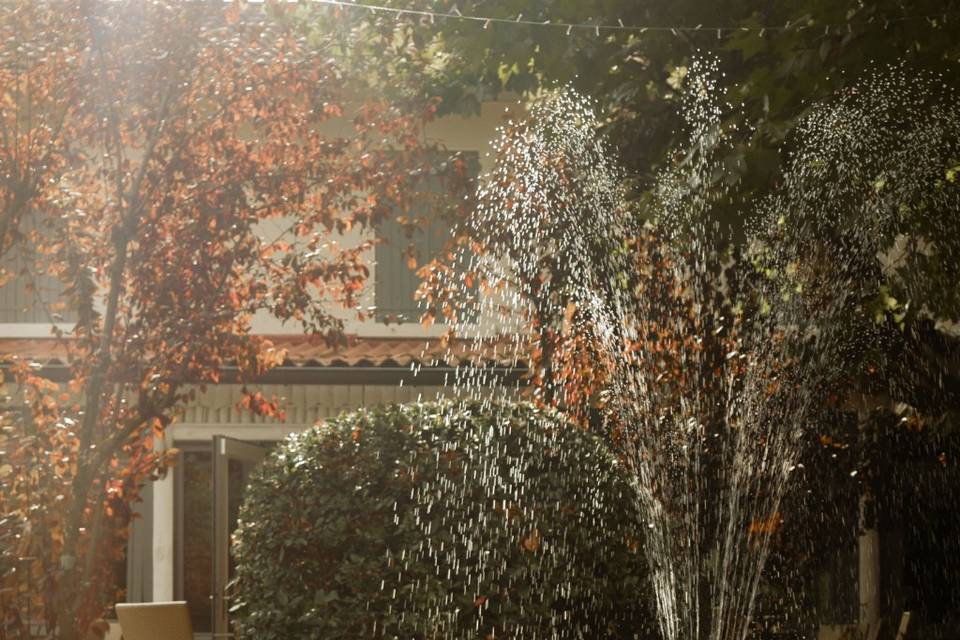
(74, 576)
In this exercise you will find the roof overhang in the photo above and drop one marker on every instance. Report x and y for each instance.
(310, 360)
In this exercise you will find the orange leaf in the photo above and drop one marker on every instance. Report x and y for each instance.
(532, 541)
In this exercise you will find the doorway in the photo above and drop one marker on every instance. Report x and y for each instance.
(233, 460)
(210, 487)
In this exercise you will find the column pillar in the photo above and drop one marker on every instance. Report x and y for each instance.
(163, 533)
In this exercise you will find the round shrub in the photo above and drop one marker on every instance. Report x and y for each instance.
(440, 520)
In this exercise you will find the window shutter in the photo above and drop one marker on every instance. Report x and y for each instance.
(395, 283)
(29, 295)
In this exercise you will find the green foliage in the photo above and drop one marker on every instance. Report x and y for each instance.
(440, 520)
(771, 79)
(772, 76)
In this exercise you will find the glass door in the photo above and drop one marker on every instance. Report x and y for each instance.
(233, 460)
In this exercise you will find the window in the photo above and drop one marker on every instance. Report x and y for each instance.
(395, 282)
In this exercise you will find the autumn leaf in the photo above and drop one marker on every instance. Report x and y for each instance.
(531, 542)
(767, 526)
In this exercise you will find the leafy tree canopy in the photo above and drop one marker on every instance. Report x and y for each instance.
(176, 165)
(771, 77)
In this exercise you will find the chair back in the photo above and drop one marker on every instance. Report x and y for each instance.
(155, 621)
(904, 626)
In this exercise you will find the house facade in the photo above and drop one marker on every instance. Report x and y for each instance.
(178, 548)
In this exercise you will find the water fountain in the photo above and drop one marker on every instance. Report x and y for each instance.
(559, 251)
(706, 387)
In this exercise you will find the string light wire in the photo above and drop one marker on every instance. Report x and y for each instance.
(455, 14)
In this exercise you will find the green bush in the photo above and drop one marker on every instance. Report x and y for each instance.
(440, 520)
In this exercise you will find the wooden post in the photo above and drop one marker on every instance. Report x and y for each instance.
(869, 548)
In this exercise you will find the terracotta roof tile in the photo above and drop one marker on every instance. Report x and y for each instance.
(47, 350)
(428, 352)
(314, 351)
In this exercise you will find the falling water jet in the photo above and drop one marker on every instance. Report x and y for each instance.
(709, 399)
(554, 232)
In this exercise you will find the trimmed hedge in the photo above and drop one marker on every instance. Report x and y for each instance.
(440, 520)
